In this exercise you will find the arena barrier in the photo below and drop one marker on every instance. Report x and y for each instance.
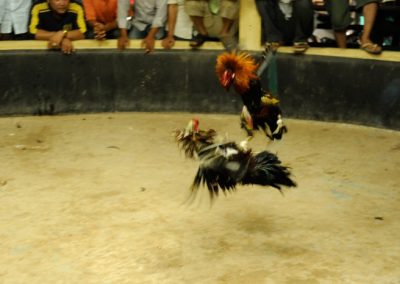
(317, 87)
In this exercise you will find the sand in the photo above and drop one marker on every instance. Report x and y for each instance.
(99, 198)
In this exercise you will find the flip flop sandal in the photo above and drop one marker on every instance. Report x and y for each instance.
(271, 46)
(300, 47)
(371, 48)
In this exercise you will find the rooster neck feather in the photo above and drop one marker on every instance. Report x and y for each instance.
(242, 64)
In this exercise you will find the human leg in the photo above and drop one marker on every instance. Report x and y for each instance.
(229, 13)
(196, 11)
(303, 20)
(303, 14)
(369, 9)
(268, 11)
(340, 19)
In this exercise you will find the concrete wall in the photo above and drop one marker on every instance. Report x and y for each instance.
(310, 87)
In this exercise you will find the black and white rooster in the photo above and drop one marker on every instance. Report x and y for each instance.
(225, 165)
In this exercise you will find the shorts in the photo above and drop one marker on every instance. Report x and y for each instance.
(229, 9)
(340, 13)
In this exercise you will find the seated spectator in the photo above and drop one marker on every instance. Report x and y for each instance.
(286, 22)
(339, 11)
(148, 22)
(179, 25)
(101, 17)
(227, 11)
(59, 22)
(14, 17)
(386, 29)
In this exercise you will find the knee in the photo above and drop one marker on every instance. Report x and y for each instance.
(340, 21)
(229, 9)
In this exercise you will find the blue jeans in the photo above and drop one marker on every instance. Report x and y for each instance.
(135, 33)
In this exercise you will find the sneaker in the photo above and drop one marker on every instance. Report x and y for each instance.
(197, 40)
(300, 47)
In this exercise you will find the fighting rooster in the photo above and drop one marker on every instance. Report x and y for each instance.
(226, 164)
(261, 110)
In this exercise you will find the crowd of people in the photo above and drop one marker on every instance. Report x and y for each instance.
(284, 22)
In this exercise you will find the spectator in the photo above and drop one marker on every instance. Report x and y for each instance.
(179, 25)
(339, 11)
(199, 10)
(148, 22)
(386, 28)
(286, 22)
(14, 17)
(101, 17)
(59, 22)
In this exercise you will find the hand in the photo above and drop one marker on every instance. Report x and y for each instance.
(66, 46)
(148, 44)
(100, 31)
(123, 42)
(55, 40)
(100, 35)
(168, 42)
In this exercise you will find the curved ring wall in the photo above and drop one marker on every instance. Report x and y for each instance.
(361, 91)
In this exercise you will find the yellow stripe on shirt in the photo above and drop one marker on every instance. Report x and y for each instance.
(76, 8)
(38, 8)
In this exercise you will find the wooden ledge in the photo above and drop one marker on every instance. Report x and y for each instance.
(184, 45)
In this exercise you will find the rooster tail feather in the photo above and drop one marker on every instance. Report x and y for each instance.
(212, 181)
(267, 170)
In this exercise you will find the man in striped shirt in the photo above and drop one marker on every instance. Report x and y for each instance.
(59, 22)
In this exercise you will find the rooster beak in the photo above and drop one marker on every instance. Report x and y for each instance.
(227, 79)
(192, 127)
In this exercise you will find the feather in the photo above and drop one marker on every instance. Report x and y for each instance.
(261, 109)
(225, 165)
(242, 64)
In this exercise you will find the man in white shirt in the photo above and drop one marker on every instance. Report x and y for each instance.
(148, 22)
(14, 17)
(179, 25)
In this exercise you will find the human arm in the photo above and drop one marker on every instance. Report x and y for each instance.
(123, 39)
(100, 29)
(172, 14)
(158, 22)
(122, 14)
(149, 40)
(56, 37)
(60, 39)
(161, 14)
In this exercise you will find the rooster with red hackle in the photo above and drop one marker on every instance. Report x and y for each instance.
(261, 110)
(226, 164)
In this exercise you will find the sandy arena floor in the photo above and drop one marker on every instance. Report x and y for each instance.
(98, 199)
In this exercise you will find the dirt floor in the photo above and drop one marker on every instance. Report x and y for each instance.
(99, 198)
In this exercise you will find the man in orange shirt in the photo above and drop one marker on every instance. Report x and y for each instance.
(101, 16)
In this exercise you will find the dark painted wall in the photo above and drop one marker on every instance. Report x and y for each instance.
(310, 87)
(341, 89)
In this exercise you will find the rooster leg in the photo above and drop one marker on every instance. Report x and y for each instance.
(267, 132)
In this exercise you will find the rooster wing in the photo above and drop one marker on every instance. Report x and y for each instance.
(265, 169)
(221, 169)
